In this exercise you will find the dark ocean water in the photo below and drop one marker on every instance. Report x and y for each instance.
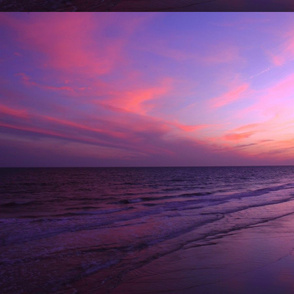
(81, 230)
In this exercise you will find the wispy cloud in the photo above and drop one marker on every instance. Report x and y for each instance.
(129, 88)
(230, 96)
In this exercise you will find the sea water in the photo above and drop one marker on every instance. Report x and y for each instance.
(82, 230)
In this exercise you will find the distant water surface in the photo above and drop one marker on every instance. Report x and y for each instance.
(82, 230)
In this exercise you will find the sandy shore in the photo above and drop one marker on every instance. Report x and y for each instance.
(254, 260)
(146, 5)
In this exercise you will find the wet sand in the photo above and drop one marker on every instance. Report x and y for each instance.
(254, 260)
(147, 5)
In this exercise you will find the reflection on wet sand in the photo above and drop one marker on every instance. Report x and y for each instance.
(254, 260)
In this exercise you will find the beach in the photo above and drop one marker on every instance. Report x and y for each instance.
(258, 259)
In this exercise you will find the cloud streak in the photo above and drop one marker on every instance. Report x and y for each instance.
(135, 89)
(229, 97)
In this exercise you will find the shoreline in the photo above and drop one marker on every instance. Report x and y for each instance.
(260, 257)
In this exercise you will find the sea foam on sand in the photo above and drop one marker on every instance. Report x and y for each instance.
(254, 260)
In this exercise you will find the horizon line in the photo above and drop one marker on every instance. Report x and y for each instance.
(179, 166)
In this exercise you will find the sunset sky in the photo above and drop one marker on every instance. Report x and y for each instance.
(146, 89)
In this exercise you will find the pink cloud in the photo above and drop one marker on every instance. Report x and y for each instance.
(27, 81)
(20, 113)
(285, 52)
(68, 43)
(284, 86)
(61, 134)
(189, 128)
(31, 129)
(277, 60)
(248, 127)
(268, 102)
(230, 96)
(140, 100)
(243, 132)
(137, 133)
(79, 126)
(238, 136)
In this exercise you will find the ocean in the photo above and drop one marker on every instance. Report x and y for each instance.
(137, 230)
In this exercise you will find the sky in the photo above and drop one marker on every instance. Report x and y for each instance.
(146, 89)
